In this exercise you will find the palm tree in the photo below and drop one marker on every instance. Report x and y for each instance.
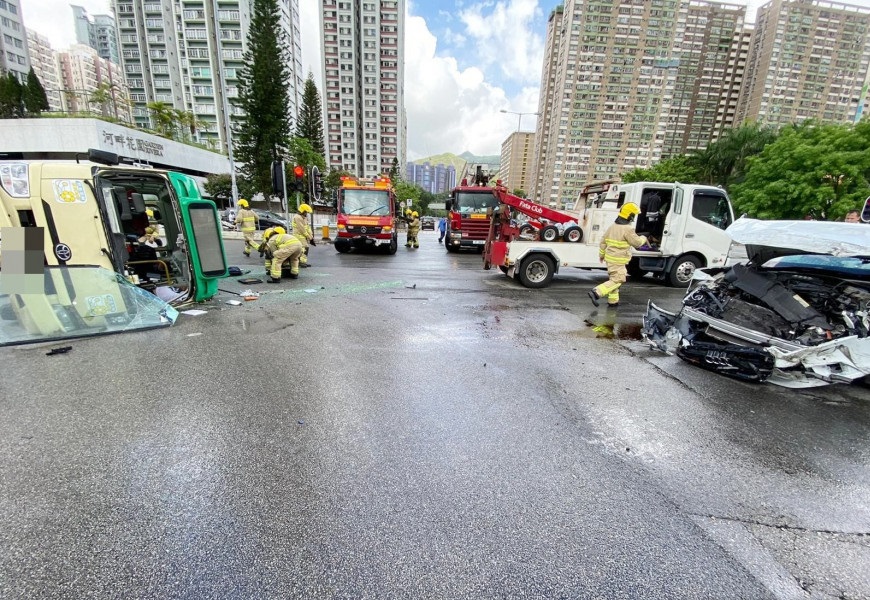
(164, 118)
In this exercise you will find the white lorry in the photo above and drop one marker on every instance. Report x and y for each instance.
(685, 225)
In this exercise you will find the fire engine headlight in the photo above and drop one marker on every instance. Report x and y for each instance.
(341, 226)
(15, 179)
(387, 228)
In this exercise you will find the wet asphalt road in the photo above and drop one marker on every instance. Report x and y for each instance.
(412, 426)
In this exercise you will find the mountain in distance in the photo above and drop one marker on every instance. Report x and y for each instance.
(489, 162)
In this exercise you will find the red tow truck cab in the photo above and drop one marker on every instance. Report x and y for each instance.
(366, 215)
(469, 211)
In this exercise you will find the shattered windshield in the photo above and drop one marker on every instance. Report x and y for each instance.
(365, 203)
(76, 301)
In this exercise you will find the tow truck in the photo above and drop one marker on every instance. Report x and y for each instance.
(468, 213)
(685, 224)
(366, 215)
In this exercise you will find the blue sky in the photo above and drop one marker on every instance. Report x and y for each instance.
(465, 60)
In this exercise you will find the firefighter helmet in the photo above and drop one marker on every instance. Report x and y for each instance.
(279, 231)
(268, 233)
(304, 208)
(628, 210)
(415, 214)
(243, 203)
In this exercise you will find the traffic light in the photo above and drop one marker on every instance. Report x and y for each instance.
(316, 183)
(299, 175)
(278, 178)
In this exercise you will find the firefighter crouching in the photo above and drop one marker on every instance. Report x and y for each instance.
(264, 249)
(247, 221)
(413, 230)
(302, 232)
(615, 250)
(282, 247)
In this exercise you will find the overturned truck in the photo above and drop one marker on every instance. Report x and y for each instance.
(795, 313)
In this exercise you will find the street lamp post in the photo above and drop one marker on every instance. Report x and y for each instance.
(519, 116)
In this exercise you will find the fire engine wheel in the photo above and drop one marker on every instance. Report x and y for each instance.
(550, 233)
(682, 270)
(394, 245)
(537, 271)
(573, 234)
(342, 247)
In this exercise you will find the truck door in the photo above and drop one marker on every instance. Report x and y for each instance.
(697, 223)
(202, 231)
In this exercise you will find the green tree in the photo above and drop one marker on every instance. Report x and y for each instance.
(520, 193)
(725, 161)
(395, 174)
(816, 170)
(164, 118)
(33, 95)
(220, 187)
(11, 101)
(408, 191)
(310, 124)
(262, 134)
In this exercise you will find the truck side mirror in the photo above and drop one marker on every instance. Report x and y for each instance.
(865, 214)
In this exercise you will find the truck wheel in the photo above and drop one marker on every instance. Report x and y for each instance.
(550, 233)
(682, 269)
(394, 245)
(573, 234)
(448, 244)
(342, 247)
(537, 271)
(527, 229)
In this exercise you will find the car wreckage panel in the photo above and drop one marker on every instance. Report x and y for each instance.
(793, 328)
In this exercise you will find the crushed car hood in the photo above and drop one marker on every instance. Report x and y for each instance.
(765, 240)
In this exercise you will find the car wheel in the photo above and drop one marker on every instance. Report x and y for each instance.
(573, 234)
(550, 233)
(537, 271)
(682, 270)
(342, 247)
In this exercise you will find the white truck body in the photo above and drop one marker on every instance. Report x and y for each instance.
(687, 221)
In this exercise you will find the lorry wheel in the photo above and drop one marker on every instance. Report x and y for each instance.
(537, 271)
(550, 233)
(342, 247)
(573, 234)
(682, 269)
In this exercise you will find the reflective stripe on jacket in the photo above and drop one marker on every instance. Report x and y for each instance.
(282, 241)
(301, 229)
(248, 220)
(617, 243)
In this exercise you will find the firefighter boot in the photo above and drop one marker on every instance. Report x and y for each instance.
(593, 295)
(274, 279)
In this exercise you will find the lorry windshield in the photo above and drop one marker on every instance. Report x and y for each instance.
(365, 202)
(713, 209)
(475, 202)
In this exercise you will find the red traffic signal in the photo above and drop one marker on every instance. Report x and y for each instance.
(299, 171)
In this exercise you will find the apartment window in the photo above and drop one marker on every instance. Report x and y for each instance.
(194, 14)
(204, 109)
(228, 15)
(203, 90)
(195, 34)
(200, 71)
(157, 53)
(156, 23)
(231, 34)
(155, 38)
(162, 69)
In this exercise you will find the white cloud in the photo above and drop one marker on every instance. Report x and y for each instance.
(54, 18)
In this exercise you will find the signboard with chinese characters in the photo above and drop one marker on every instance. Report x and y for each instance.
(120, 143)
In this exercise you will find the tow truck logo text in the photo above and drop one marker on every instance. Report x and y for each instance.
(532, 208)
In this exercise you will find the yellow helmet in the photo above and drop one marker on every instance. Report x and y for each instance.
(243, 203)
(279, 231)
(628, 210)
(408, 212)
(268, 233)
(304, 208)
(415, 214)
(149, 213)
(150, 230)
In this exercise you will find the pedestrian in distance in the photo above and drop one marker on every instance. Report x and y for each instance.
(615, 251)
(303, 233)
(442, 229)
(853, 217)
(413, 230)
(247, 221)
(283, 247)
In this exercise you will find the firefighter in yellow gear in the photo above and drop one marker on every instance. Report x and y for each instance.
(302, 231)
(247, 221)
(283, 246)
(615, 251)
(264, 249)
(413, 230)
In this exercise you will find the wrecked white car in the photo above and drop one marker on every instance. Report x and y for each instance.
(794, 314)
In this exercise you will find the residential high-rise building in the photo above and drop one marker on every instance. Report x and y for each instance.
(363, 74)
(97, 31)
(702, 57)
(809, 59)
(544, 165)
(14, 56)
(91, 83)
(515, 168)
(43, 59)
(434, 179)
(189, 53)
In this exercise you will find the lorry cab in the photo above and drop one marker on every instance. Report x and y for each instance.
(685, 225)
(149, 226)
